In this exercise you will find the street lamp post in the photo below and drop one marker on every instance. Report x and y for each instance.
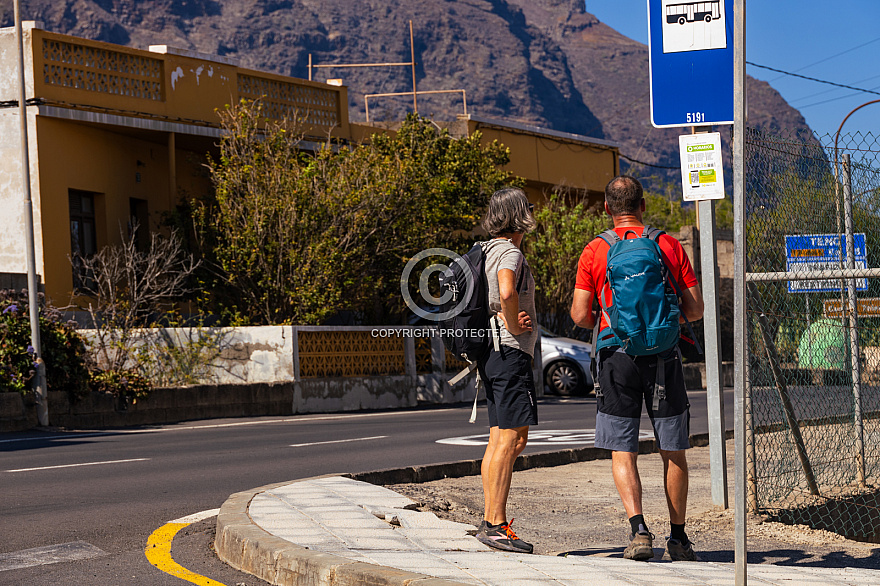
(33, 305)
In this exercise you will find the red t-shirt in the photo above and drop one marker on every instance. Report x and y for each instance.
(594, 263)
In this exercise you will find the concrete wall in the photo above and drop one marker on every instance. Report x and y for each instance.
(257, 373)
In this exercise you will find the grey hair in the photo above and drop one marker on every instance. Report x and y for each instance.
(508, 213)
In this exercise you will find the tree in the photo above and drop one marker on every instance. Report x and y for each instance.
(296, 237)
(565, 227)
(126, 292)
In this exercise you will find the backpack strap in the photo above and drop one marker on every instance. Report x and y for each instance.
(609, 236)
(653, 233)
(659, 384)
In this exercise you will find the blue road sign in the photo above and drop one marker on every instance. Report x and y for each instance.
(818, 252)
(690, 45)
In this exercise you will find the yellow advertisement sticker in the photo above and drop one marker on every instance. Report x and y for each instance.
(707, 176)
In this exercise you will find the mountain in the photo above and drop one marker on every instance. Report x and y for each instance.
(547, 63)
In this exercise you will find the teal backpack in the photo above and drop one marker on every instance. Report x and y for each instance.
(643, 319)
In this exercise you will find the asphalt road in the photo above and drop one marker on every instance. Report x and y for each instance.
(112, 489)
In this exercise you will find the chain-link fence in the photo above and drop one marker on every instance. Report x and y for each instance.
(813, 307)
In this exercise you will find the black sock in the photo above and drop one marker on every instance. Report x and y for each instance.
(491, 526)
(637, 523)
(678, 533)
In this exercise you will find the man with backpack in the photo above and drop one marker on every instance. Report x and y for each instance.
(642, 284)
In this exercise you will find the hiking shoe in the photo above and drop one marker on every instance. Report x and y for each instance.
(679, 551)
(480, 527)
(641, 547)
(503, 538)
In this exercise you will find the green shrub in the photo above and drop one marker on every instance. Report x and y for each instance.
(63, 349)
(120, 383)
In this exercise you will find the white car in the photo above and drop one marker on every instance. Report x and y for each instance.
(566, 364)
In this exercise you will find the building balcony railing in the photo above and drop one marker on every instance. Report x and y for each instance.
(170, 84)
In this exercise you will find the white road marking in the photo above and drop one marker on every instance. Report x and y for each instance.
(52, 554)
(551, 437)
(357, 439)
(196, 517)
(82, 464)
(216, 425)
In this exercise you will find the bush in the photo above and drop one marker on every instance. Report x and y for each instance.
(290, 236)
(120, 383)
(63, 349)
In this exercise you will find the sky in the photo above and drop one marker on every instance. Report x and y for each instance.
(805, 37)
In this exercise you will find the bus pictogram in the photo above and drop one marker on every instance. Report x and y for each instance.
(693, 12)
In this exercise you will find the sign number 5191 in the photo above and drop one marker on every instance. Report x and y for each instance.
(696, 116)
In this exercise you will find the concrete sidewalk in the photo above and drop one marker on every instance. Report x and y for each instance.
(334, 530)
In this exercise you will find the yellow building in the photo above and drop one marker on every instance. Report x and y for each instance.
(116, 135)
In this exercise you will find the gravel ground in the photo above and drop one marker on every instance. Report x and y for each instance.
(575, 509)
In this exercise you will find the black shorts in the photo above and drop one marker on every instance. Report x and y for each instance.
(625, 382)
(510, 388)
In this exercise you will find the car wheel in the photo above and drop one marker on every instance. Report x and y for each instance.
(564, 378)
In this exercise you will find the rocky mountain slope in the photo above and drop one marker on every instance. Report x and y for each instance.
(547, 63)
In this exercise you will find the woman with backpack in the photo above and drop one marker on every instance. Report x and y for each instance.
(506, 371)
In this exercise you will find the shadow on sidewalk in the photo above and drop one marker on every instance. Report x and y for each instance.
(779, 557)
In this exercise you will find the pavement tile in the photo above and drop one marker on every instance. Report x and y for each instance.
(368, 543)
(306, 538)
(420, 520)
(419, 562)
(353, 525)
(451, 545)
(272, 524)
(593, 579)
(337, 511)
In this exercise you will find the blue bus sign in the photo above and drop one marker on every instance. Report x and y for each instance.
(819, 252)
(690, 48)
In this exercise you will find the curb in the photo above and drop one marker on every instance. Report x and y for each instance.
(245, 546)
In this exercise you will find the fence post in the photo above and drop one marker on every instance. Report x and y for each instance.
(294, 340)
(853, 315)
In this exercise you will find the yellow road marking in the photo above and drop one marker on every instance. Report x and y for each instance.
(158, 552)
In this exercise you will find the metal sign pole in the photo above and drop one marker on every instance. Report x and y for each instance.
(714, 388)
(739, 285)
(33, 305)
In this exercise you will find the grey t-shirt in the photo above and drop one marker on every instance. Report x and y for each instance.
(501, 253)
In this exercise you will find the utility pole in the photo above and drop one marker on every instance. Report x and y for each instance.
(33, 304)
(412, 53)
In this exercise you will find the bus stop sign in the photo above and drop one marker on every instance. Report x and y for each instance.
(690, 48)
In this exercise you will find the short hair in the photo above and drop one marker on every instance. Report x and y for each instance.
(623, 194)
(508, 213)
